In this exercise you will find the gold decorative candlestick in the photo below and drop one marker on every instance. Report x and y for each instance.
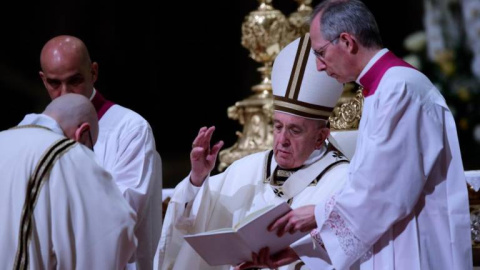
(265, 32)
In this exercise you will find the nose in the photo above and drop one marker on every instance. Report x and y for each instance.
(320, 64)
(282, 138)
(65, 89)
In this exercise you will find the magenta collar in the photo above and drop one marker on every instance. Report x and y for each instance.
(372, 77)
(101, 104)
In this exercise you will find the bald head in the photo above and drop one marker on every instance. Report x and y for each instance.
(66, 67)
(58, 48)
(76, 116)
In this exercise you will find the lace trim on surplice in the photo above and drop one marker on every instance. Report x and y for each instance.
(349, 242)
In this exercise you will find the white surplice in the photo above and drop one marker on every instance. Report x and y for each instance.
(225, 199)
(405, 203)
(81, 220)
(126, 148)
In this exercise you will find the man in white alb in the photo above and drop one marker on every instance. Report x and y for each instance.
(125, 147)
(303, 101)
(59, 208)
(405, 203)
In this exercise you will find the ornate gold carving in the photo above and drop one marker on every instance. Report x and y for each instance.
(348, 111)
(255, 114)
(265, 32)
(474, 201)
(299, 19)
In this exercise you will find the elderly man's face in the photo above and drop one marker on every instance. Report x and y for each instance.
(295, 138)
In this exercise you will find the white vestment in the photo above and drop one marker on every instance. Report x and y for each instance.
(80, 220)
(405, 203)
(126, 148)
(225, 199)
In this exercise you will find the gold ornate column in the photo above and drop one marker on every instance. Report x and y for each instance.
(265, 32)
(299, 19)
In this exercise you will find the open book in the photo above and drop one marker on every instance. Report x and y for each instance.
(235, 245)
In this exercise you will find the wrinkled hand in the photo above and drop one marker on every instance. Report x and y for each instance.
(202, 157)
(300, 219)
(264, 260)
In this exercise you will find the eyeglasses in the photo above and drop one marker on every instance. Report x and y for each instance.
(320, 54)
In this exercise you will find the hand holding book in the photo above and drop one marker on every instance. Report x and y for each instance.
(231, 246)
(265, 260)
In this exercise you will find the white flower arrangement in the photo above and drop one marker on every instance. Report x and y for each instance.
(415, 42)
(448, 52)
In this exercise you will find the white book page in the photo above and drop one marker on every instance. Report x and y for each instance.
(220, 248)
(252, 216)
(257, 236)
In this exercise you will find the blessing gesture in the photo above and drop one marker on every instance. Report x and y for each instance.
(202, 156)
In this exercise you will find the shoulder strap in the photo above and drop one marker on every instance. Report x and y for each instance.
(36, 181)
(30, 126)
(266, 167)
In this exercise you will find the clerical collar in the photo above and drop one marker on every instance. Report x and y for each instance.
(316, 155)
(370, 63)
(100, 103)
(93, 94)
(373, 72)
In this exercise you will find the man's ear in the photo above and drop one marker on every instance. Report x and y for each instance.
(79, 132)
(353, 45)
(94, 70)
(350, 42)
(42, 76)
(322, 136)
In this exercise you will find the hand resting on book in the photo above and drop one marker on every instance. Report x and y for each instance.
(231, 246)
(300, 219)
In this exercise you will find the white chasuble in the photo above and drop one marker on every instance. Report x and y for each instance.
(80, 219)
(245, 187)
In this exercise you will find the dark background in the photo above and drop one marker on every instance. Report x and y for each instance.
(180, 65)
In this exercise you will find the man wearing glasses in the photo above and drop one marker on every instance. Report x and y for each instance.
(405, 202)
(320, 53)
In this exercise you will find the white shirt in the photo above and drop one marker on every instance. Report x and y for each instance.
(126, 148)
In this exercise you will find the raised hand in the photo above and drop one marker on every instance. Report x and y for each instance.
(202, 157)
(300, 219)
(264, 260)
